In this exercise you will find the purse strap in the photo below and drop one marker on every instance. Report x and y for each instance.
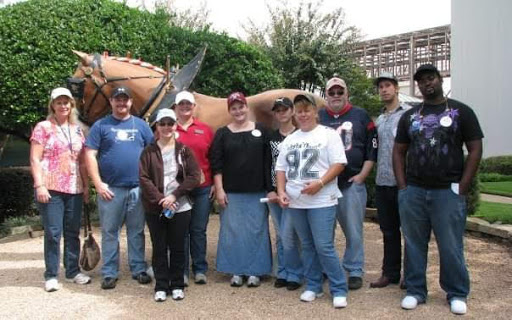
(87, 222)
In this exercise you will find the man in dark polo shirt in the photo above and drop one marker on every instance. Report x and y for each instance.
(359, 137)
(433, 180)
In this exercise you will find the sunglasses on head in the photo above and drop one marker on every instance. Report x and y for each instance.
(333, 93)
(166, 123)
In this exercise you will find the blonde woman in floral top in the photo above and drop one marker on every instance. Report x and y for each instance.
(61, 185)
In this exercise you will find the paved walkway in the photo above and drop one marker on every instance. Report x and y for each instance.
(22, 295)
(494, 198)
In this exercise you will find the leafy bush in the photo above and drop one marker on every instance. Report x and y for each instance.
(37, 36)
(500, 164)
(494, 177)
(17, 193)
(473, 197)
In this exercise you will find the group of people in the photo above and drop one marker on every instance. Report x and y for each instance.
(309, 173)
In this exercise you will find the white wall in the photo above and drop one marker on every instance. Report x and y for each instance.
(481, 67)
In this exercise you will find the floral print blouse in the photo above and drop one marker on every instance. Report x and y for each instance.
(62, 148)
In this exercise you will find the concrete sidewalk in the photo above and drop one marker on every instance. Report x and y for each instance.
(495, 198)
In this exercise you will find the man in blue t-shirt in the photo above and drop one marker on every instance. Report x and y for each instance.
(359, 137)
(433, 181)
(114, 145)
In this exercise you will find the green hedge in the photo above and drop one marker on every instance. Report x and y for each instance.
(37, 36)
(17, 193)
(500, 164)
(494, 177)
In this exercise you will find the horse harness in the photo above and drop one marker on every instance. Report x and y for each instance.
(77, 88)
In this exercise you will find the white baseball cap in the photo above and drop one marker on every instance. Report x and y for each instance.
(185, 96)
(165, 113)
(57, 92)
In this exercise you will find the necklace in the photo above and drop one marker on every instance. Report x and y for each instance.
(68, 137)
(446, 121)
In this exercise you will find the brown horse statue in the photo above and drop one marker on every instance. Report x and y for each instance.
(97, 75)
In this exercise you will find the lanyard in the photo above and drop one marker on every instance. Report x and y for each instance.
(68, 137)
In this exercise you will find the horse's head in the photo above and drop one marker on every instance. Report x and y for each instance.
(97, 75)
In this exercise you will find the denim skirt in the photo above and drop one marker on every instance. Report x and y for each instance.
(244, 241)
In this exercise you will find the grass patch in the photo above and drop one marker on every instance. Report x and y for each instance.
(492, 212)
(501, 188)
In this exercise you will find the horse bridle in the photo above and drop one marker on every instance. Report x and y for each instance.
(77, 86)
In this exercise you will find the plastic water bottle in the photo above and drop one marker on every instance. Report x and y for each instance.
(169, 213)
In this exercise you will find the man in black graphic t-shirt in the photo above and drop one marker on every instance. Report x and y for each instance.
(433, 180)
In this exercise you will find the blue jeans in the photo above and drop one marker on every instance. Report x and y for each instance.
(289, 265)
(444, 212)
(195, 241)
(314, 227)
(62, 214)
(124, 208)
(350, 215)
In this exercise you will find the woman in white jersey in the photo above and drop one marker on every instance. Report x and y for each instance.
(309, 162)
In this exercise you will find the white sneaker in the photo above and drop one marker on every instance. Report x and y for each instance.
(178, 294)
(237, 281)
(80, 278)
(458, 306)
(339, 302)
(308, 296)
(160, 296)
(200, 278)
(409, 303)
(253, 282)
(51, 285)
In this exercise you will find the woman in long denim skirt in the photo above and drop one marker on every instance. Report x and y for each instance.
(240, 162)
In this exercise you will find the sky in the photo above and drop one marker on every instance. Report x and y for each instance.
(374, 18)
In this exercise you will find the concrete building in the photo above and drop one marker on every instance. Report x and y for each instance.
(481, 67)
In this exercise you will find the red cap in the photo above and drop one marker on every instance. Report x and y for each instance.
(236, 96)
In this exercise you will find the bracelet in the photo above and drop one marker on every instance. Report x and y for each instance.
(38, 186)
(321, 182)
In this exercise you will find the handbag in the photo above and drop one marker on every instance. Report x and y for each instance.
(90, 255)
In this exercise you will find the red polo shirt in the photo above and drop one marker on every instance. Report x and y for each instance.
(198, 137)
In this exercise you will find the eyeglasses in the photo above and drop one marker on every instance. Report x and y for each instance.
(168, 123)
(333, 93)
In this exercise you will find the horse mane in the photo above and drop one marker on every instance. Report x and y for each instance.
(137, 62)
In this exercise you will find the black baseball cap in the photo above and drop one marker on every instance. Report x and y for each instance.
(121, 90)
(307, 97)
(425, 68)
(283, 101)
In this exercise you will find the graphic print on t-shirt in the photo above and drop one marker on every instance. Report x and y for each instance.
(274, 150)
(346, 133)
(125, 134)
(433, 138)
(301, 157)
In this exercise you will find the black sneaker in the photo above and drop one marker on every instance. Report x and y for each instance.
(142, 278)
(292, 285)
(280, 283)
(355, 283)
(108, 283)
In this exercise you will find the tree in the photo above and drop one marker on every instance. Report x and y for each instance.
(306, 46)
(37, 36)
